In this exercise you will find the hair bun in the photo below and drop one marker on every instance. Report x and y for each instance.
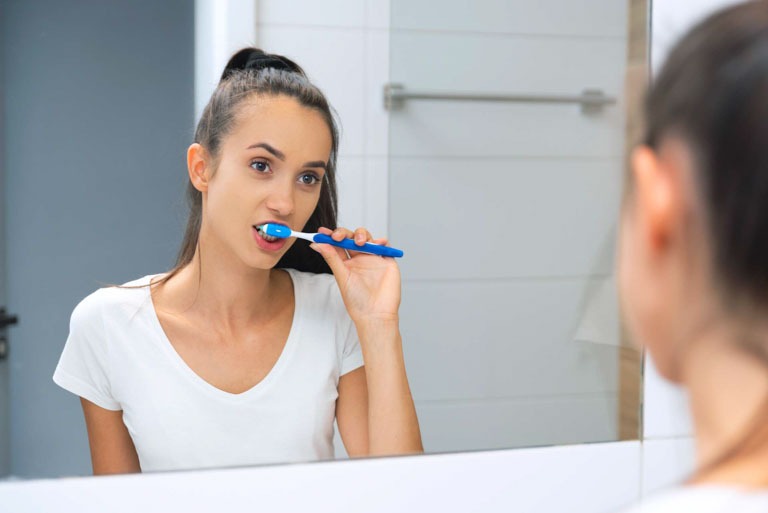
(256, 59)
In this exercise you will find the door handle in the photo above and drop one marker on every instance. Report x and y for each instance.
(6, 320)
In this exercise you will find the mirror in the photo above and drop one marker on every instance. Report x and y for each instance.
(496, 165)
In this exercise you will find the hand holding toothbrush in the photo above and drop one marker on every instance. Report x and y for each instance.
(370, 288)
(369, 284)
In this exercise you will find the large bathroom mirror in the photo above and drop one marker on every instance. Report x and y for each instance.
(487, 139)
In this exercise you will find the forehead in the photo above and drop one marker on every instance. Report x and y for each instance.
(284, 123)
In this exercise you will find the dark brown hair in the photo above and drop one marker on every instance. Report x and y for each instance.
(712, 92)
(252, 72)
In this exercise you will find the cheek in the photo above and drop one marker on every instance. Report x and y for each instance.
(229, 198)
(641, 296)
(631, 283)
(306, 205)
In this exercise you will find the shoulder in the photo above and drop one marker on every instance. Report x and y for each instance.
(108, 300)
(705, 499)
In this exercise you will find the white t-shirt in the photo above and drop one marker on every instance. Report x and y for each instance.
(118, 357)
(706, 499)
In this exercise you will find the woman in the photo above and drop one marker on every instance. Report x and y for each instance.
(248, 349)
(693, 257)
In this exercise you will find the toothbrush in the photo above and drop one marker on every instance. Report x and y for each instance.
(281, 231)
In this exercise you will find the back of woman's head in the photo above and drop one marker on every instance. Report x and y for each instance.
(252, 72)
(713, 94)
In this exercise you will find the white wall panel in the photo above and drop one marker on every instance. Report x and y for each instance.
(328, 13)
(493, 218)
(493, 339)
(591, 18)
(509, 64)
(666, 463)
(350, 181)
(451, 426)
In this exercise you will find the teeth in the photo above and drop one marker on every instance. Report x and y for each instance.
(264, 236)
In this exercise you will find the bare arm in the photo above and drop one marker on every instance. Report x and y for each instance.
(112, 450)
(374, 405)
(375, 410)
(352, 412)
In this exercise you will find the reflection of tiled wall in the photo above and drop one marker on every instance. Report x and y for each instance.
(508, 210)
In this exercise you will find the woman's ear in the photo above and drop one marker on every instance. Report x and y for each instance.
(657, 196)
(198, 167)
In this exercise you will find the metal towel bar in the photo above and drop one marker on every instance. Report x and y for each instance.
(591, 100)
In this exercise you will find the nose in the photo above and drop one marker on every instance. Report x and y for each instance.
(280, 200)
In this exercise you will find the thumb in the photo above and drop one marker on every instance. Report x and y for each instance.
(332, 257)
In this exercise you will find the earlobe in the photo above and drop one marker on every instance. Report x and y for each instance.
(197, 167)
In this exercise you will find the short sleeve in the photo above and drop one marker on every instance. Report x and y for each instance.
(83, 368)
(352, 354)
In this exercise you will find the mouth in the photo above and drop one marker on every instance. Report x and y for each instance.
(268, 238)
(267, 242)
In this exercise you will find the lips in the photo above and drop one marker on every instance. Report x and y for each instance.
(265, 244)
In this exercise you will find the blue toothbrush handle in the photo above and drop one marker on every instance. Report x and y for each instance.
(374, 249)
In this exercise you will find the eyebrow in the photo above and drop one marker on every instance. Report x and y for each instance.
(280, 155)
(274, 151)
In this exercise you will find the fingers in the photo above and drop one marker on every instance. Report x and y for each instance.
(360, 235)
(333, 256)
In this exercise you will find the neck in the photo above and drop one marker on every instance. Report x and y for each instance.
(727, 387)
(220, 289)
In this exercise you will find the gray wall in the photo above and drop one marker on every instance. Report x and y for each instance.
(5, 442)
(98, 113)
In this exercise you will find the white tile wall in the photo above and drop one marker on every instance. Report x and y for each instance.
(350, 174)
(376, 75)
(509, 64)
(452, 426)
(454, 62)
(671, 20)
(430, 129)
(666, 463)
(378, 14)
(328, 13)
(665, 410)
(488, 218)
(478, 340)
(376, 196)
(542, 17)
(506, 212)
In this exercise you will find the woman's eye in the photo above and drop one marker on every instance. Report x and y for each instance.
(309, 179)
(260, 166)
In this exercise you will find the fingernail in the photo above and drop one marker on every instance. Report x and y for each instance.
(314, 246)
